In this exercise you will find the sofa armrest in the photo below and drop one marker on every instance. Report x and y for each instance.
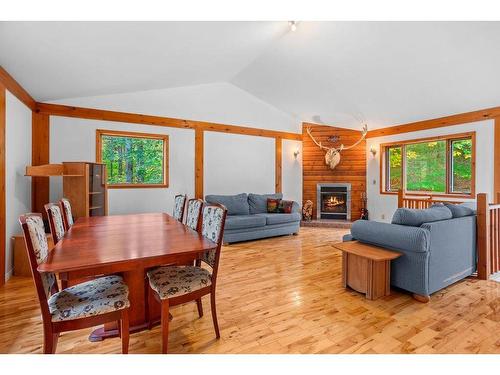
(392, 236)
(296, 208)
(347, 238)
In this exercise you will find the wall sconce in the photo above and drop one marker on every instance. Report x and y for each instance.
(373, 150)
(296, 153)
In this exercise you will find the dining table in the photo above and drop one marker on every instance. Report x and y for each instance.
(127, 245)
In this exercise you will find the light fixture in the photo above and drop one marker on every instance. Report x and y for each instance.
(296, 153)
(373, 150)
(293, 25)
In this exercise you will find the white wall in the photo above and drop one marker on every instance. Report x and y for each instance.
(236, 163)
(215, 102)
(18, 156)
(381, 207)
(292, 170)
(232, 163)
(73, 139)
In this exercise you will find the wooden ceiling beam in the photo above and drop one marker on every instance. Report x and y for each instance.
(16, 89)
(135, 118)
(458, 119)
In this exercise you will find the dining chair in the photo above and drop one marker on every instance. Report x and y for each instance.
(67, 214)
(84, 305)
(57, 228)
(193, 215)
(179, 206)
(175, 285)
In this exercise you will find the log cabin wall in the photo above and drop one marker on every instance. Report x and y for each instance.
(351, 169)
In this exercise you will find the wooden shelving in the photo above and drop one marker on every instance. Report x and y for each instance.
(84, 185)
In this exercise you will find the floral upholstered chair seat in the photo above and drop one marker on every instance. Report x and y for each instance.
(174, 281)
(96, 297)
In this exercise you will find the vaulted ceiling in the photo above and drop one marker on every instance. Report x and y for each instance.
(339, 73)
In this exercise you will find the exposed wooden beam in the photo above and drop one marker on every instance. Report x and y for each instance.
(99, 114)
(198, 163)
(40, 145)
(462, 118)
(16, 89)
(496, 161)
(3, 242)
(278, 166)
(104, 115)
(244, 130)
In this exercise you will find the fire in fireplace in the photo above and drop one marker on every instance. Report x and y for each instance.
(334, 201)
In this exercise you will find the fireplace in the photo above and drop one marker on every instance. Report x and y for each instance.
(334, 201)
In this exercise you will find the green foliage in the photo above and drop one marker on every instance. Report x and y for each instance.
(395, 171)
(133, 160)
(462, 165)
(426, 166)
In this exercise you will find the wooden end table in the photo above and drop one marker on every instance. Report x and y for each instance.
(366, 268)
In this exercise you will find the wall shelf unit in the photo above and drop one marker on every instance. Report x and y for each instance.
(84, 184)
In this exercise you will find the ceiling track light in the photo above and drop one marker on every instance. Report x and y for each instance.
(293, 25)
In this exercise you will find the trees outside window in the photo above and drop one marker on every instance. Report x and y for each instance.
(133, 159)
(441, 166)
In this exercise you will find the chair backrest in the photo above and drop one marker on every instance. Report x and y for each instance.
(194, 213)
(67, 214)
(179, 205)
(212, 227)
(55, 217)
(38, 249)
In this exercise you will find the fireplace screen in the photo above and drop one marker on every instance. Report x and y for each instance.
(334, 201)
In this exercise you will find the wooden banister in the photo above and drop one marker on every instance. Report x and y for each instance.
(483, 236)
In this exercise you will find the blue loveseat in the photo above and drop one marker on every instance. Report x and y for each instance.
(247, 217)
(438, 245)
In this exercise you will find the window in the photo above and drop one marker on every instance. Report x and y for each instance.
(435, 166)
(133, 159)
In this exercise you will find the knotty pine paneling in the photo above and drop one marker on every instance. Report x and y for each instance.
(351, 169)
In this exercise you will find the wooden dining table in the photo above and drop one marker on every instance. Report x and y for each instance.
(128, 245)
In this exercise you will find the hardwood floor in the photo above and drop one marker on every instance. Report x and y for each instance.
(284, 295)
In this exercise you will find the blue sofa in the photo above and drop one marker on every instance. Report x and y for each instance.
(438, 245)
(247, 217)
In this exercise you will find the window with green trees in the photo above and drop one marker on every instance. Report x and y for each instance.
(443, 165)
(133, 159)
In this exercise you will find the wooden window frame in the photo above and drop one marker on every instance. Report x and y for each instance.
(119, 133)
(384, 147)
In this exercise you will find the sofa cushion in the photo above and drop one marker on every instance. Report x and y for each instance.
(244, 221)
(415, 218)
(235, 204)
(280, 218)
(258, 202)
(458, 210)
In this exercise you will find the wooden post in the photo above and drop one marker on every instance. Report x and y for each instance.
(483, 236)
(400, 198)
(198, 163)
(278, 168)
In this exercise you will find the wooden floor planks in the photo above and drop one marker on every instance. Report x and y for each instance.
(284, 295)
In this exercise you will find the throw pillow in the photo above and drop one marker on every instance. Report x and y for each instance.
(273, 205)
(285, 207)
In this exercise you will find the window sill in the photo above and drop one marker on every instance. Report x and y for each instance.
(137, 186)
(439, 195)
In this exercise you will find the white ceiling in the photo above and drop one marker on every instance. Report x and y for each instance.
(339, 73)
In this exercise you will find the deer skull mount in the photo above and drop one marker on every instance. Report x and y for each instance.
(332, 156)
